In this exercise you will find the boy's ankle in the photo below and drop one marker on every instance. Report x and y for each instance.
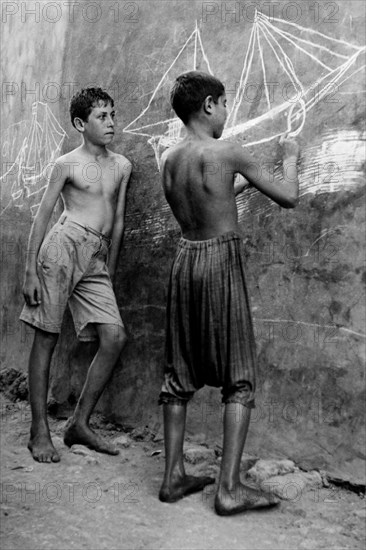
(228, 486)
(77, 422)
(40, 429)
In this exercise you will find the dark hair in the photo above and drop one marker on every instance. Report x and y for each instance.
(191, 89)
(83, 102)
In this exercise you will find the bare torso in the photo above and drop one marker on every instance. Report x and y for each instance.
(198, 185)
(91, 188)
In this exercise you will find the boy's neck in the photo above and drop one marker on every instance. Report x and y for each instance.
(198, 129)
(94, 150)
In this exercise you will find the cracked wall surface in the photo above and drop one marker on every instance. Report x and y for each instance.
(306, 270)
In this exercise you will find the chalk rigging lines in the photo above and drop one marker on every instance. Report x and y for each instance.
(264, 35)
(38, 151)
(170, 129)
(267, 41)
(42, 144)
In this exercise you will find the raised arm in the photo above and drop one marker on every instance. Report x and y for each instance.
(285, 192)
(31, 287)
(119, 218)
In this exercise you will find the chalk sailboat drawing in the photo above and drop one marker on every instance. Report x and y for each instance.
(164, 133)
(266, 104)
(41, 142)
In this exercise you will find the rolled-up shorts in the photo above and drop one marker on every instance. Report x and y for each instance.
(71, 267)
(209, 331)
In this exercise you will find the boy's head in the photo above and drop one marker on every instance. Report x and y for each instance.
(83, 102)
(190, 91)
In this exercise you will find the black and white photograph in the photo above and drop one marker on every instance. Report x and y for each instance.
(182, 223)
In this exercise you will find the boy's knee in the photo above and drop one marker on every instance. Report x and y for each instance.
(121, 338)
(46, 339)
(113, 339)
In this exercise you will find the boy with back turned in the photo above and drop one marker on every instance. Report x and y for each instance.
(75, 264)
(210, 336)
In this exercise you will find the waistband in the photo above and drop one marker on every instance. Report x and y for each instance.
(197, 245)
(87, 228)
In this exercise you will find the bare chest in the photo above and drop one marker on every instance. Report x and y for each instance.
(92, 178)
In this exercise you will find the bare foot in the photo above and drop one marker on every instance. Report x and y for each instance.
(185, 486)
(83, 435)
(42, 449)
(242, 498)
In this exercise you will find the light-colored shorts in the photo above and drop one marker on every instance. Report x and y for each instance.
(72, 270)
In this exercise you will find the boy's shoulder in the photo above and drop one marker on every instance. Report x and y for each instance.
(70, 157)
(77, 156)
(225, 147)
(123, 161)
(228, 151)
(197, 146)
(204, 150)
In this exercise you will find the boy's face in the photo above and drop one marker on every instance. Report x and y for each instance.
(220, 115)
(99, 128)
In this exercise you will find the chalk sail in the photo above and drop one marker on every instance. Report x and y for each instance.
(40, 142)
(310, 66)
(165, 133)
(287, 70)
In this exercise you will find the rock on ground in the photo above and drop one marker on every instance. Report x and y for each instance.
(194, 454)
(122, 441)
(264, 469)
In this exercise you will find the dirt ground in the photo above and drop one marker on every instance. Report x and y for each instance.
(95, 501)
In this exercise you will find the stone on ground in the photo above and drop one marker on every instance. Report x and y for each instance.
(194, 454)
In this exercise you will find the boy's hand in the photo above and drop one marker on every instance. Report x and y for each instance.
(32, 290)
(290, 147)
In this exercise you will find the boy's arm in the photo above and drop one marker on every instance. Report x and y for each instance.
(285, 193)
(119, 220)
(31, 287)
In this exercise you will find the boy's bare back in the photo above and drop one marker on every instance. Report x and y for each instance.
(198, 190)
(198, 181)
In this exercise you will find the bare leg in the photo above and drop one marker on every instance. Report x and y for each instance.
(40, 443)
(112, 340)
(176, 484)
(232, 496)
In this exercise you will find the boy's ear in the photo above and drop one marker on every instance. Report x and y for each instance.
(208, 104)
(79, 124)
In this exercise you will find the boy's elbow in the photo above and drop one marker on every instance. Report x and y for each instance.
(290, 202)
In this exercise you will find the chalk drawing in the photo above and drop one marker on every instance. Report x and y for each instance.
(333, 327)
(165, 133)
(40, 141)
(324, 233)
(272, 44)
(275, 46)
